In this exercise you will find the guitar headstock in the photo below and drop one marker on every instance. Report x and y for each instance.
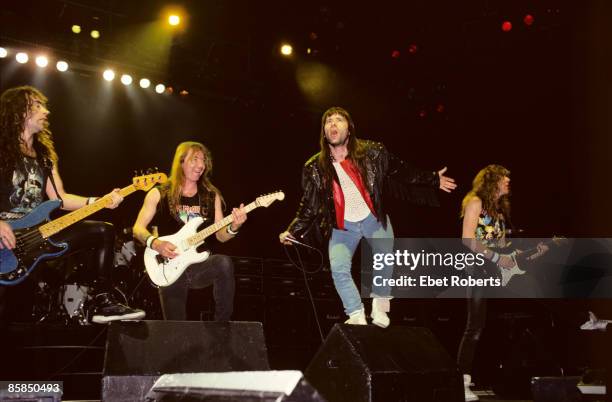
(267, 199)
(146, 182)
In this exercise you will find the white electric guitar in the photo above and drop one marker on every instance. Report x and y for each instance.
(522, 258)
(165, 271)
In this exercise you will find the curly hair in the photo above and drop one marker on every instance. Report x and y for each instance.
(173, 187)
(486, 187)
(15, 103)
(356, 149)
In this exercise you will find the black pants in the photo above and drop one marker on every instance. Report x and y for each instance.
(99, 237)
(217, 270)
(476, 319)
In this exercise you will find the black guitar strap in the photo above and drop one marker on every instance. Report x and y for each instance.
(48, 166)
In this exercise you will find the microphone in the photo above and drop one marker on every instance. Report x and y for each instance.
(294, 241)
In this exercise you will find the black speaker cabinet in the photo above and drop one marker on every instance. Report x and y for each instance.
(137, 353)
(366, 363)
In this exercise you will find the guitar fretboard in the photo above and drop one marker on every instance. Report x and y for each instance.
(53, 227)
(199, 237)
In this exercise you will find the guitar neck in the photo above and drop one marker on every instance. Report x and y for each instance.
(53, 227)
(199, 237)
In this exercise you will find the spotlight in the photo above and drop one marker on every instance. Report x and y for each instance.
(286, 50)
(95, 34)
(76, 29)
(42, 61)
(61, 66)
(145, 83)
(395, 54)
(174, 20)
(184, 92)
(109, 75)
(22, 57)
(126, 79)
(3, 53)
(528, 20)
(160, 88)
(506, 26)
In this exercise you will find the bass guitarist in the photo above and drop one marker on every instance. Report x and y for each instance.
(29, 175)
(187, 194)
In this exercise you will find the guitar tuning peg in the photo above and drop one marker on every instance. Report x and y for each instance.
(149, 171)
(156, 169)
(136, 173)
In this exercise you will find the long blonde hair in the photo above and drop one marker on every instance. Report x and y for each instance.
(174, 186)
(485, 187)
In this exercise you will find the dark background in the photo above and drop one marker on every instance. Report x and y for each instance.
(534, 99)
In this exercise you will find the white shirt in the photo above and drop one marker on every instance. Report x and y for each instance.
(355, 207)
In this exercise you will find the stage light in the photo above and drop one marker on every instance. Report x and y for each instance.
(528, 20)
(174, 20)
(95, 34)
(395, 54)
(145, 83)
(413, 48)
(506, 26)
(3, 53)
(76, 29)
(61, 66)
(109, 75)
(22, 57)
(160, 88)
(126, 79)
(184, 92)
(286, 50)
(42, 61)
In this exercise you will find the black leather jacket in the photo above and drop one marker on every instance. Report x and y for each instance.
(316, 214)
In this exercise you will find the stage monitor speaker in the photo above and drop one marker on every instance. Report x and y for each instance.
(246, 386)
(138, 352)
(360, 363)
(555, 389)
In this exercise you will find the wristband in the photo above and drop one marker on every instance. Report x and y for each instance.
(230, 231)
(150, 240)
(91, 200)
(495, 258)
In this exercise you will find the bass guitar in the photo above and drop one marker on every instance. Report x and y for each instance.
(33, 231)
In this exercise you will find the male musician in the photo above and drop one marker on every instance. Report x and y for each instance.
(189, 193)
(342, 202)
(29, 175)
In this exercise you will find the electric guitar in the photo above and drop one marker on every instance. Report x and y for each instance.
(165, 271)
(33, 232)
(520, 259)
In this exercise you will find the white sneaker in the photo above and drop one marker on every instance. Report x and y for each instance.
(380, 307)
(469, 395)
(594, 323)
(357, 318)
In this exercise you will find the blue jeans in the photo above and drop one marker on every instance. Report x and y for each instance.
(342, 247)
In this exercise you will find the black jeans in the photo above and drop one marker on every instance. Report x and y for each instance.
(476, 319)
(217, 270)
(99, 237)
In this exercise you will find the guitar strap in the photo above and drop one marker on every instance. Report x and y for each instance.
(48, 167)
